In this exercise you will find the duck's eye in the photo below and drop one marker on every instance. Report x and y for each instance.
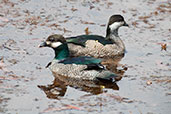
(51, 39)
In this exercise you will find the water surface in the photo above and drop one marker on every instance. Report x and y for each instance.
(26, 86)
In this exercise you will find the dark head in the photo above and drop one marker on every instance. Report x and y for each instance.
(53, 41)
(58, 43)
(115, 22)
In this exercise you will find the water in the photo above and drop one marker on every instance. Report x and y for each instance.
(26, 86)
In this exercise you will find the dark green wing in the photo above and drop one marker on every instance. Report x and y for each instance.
(81, 40)
(92, 63)
(81, 60)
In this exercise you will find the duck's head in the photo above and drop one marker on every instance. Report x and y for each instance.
(115, 22)
(53, 41)
(59, 45)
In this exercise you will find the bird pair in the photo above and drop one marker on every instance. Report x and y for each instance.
(80, 56)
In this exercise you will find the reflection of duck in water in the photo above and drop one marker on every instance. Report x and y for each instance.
(61, 83)
(84, 68)
(99, 46)
(114, 65)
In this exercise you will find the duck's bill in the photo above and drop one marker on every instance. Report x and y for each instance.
(125, 24)
(42, 45)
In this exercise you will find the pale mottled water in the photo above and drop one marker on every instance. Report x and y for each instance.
(25, 23)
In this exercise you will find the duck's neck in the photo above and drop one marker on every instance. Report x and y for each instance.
(61, 52)
(114, 37)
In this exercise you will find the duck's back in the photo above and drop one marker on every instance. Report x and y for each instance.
(95, 49)
(93, 45)
(82, 39)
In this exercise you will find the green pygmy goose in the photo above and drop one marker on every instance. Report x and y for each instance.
(82, 67)
(99, 46)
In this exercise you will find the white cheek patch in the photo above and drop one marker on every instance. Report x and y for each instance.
(56, 44)
(47, 42)
(115, 25)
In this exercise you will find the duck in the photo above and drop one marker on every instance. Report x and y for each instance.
(98, 46)
(81, 67)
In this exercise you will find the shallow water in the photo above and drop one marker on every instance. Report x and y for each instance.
(26, 86)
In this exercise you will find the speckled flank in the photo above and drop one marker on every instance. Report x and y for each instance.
(96, 49)
(78, 71)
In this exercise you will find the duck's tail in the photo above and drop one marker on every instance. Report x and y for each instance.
(108, 77)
